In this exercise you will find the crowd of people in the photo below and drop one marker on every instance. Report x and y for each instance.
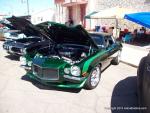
(124, 35)
(104, 29)
(138, 35)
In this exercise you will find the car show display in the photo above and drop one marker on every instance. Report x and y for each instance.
(57, 55)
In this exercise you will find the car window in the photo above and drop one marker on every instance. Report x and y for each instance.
(98, 39)
(109, 41)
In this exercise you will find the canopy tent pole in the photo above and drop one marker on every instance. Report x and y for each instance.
(116, 27)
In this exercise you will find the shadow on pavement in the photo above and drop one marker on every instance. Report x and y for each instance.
(124, 97)
(44, 87)
(12, 57)
(106, 68)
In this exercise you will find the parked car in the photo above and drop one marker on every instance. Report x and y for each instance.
(2, 32)
(20, 46)
(143, 83)
(35, 37)
(11, 35)
(1, 35)
(75, 58)
(9, 32)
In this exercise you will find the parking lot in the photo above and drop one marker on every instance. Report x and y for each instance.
(115, 92)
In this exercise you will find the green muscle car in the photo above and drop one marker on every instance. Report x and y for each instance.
(74, 58)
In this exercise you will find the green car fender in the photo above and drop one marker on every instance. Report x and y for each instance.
(28, 59)
(92, 62)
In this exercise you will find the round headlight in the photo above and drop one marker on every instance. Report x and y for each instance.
(29, 63)
(75, 70)
(67, 70)
(23, 60)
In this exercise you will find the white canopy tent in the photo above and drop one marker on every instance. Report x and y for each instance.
(112, 13)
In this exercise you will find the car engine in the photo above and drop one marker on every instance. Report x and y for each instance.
(69, 53)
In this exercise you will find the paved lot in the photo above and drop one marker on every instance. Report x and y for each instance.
(132, 54)
(117, 89)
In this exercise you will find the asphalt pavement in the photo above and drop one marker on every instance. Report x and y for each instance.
(116, 92)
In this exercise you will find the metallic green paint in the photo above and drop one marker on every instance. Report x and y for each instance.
(61, 85)
(49, 62)
(88, 63)
(86, 66)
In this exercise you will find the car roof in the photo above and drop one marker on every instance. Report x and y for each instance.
(100, 33)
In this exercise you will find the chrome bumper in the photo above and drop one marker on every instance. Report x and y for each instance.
(26, 67)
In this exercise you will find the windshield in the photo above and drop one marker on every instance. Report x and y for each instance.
(98, 39)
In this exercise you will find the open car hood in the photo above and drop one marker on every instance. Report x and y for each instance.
(26, 27)
(61, 34)
(9, 26)
(55, 32)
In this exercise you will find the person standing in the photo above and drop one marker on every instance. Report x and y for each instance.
(110, 30)
(69, 23)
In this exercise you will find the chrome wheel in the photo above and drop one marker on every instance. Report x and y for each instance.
(95, 76)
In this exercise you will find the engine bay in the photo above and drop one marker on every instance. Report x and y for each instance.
(71, 53)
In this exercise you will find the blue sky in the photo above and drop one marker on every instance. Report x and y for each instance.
(19, 7)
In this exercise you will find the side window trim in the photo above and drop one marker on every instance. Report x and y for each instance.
(113, 39)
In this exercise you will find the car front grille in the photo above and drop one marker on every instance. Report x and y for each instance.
(45, 73)
(14, 49)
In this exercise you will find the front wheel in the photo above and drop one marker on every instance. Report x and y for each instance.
(93, 78)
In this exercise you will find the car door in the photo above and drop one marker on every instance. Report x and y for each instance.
(99, 39)
(112, 48)
(106, 48)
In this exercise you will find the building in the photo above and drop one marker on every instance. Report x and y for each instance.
(28, 17)
(71, 9)
(42, 16)
(2, 16)
(77, 9)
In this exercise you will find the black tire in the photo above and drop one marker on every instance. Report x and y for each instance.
(116, 60)
(140, 82)
(88, 84)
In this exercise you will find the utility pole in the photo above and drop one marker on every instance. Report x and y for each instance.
(28, 7)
